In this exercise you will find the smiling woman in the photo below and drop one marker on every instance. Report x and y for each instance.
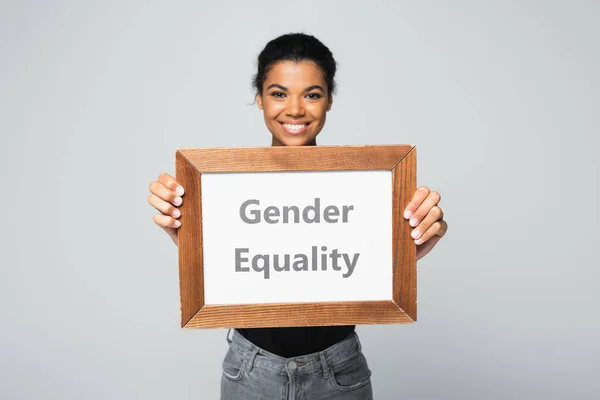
(294, 87)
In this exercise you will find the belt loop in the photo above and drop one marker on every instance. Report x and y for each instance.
(227, 337)
(251, 359)
(358, 342)
(324, 364)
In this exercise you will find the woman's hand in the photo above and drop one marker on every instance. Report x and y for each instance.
(166, 197)
(427, 218)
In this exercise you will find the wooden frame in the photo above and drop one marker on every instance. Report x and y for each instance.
(191, 163)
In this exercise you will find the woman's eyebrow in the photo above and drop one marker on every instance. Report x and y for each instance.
(313, 87)
(308, 89)
(276, 85)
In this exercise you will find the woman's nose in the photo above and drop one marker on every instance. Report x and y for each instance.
(295, 107)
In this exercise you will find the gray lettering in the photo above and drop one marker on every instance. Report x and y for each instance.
(286, 214)
(286, 264)
(316, 209)
(311, 214)
(315, 260)
(271, 212)
(350, 265)
(334, 259)
(282, 262)
(300, 259)
(265, 264)
(239, 260)
(346, 211)
(255, 213)
(329, 213)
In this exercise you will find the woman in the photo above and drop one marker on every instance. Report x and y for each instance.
(294, 86)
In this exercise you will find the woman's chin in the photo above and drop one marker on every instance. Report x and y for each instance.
(291, 140)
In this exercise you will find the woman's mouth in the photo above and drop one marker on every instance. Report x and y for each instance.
(295, 128)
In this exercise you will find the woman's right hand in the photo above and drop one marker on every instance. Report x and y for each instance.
(166, 197)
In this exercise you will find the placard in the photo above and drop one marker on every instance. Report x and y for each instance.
(296, 236)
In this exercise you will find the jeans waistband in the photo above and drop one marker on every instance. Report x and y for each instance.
(308, 363)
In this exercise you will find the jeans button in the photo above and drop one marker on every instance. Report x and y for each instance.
(292, 365)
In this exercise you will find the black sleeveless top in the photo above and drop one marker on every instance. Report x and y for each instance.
(296, 341)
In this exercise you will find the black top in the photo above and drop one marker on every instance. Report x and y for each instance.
(298, 341)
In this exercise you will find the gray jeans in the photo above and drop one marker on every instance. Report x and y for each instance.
(251, 373)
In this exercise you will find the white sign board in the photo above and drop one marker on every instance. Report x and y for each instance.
(293, 237)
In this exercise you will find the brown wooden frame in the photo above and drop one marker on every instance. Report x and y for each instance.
(191, 163)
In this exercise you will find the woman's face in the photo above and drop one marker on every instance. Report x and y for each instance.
(294, 101)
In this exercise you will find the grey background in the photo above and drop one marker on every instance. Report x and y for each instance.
(501, 99)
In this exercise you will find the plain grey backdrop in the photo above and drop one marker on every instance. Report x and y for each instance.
(501, 99)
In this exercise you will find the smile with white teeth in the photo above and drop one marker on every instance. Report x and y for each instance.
(294, 129)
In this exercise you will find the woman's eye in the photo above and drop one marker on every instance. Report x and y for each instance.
(314, 96)
(278, 94)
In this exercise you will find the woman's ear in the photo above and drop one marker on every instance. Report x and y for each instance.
(259, 102)
(329, 102)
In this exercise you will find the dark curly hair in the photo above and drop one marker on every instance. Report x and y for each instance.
(295, 47)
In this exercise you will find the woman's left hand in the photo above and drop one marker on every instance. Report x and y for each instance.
(427, 219)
